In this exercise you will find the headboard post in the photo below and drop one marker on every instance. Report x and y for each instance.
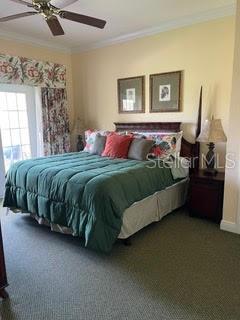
(199, 123)
(198, 130)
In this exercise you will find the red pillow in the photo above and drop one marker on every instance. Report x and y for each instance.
(117, 146)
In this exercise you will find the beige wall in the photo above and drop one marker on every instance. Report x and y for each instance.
(231, 217)
(24, 50)
(204, 51)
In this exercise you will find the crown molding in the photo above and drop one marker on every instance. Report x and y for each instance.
(163, 27)
(33, 41)
(205, 16)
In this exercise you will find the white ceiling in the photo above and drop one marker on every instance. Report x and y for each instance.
(126, 19)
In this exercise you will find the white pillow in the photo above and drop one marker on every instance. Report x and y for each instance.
(179, 167)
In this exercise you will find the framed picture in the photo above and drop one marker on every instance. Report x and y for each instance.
(131, 95)
(165, 92)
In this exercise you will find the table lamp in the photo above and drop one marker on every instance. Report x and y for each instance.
(211, 133)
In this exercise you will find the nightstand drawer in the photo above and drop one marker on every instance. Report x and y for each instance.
(206, 197)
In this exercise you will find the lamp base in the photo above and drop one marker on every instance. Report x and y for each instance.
(80, 144)
(210, 161)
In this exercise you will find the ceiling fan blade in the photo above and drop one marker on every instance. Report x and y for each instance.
(94, 22)
(17, 16)
(55, 26)
(29, 4)
(62, 3)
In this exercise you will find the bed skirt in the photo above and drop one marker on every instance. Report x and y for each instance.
(140, 214)
(153, 208)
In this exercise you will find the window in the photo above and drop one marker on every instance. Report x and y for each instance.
(14, 127)
(18, 124)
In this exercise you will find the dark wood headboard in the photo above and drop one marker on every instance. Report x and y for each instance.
(188, 150)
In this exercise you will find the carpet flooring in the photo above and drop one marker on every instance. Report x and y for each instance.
(179, 269)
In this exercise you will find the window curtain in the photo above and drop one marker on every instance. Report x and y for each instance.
(51, 78)
(55, 121)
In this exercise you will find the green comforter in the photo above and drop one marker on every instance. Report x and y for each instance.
(84, 192)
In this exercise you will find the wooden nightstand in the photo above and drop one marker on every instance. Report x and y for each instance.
(206, 196)
(3, 276)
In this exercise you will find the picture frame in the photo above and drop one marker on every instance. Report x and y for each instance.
(131, 95)
(165, 91)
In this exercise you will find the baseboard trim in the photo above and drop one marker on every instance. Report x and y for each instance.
(229, 226)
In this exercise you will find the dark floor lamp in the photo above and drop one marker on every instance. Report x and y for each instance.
(211, 133)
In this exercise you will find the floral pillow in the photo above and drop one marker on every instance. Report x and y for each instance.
(90, 137)
(165, 144)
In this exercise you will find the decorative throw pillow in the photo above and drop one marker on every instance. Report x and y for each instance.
(90, 136)
(139, 149)
(117, 146)
(99, 144)
(167, 144)
(179, 167)
(89, 140)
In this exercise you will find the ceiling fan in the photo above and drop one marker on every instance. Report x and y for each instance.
(50, 9)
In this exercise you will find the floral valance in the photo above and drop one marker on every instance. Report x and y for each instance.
(18, 70)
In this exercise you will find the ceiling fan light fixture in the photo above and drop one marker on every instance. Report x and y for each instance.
(49, 12)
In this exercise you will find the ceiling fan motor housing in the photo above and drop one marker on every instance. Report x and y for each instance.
(45, 8)
(40, 1)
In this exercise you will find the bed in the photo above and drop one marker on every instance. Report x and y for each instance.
(155, 207)
(98, 198)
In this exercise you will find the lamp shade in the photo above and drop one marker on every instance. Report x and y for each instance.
(212, 132)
